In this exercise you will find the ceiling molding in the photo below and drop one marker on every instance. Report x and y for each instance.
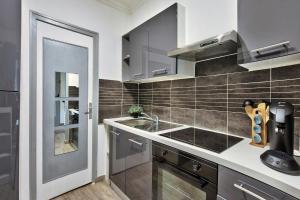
(127, 6)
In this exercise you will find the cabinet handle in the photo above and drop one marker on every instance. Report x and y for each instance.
(259, 50)
(160, 71)
(136, 75)
(136, 142)
(113, 132)
(240, 187)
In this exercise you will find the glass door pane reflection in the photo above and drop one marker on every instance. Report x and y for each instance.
(66, 141)
(67, 112)
(66, 84)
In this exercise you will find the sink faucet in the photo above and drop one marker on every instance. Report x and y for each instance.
(154, 118)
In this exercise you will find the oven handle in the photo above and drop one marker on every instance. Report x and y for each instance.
(161, 161)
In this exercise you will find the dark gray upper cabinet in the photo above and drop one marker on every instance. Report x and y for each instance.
(145, 48)
(10, 43)
(162, 38)
(267, 29)
(138, 52)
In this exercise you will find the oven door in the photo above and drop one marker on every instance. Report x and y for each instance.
(171, 183)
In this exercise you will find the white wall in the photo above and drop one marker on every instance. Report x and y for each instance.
(204, 18)
(89, 14)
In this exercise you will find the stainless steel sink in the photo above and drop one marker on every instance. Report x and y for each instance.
(148, 124)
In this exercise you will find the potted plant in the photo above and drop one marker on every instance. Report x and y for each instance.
(135, 111)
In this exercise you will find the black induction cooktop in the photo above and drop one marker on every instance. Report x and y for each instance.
(212, 141)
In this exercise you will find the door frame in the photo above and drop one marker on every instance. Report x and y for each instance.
(38, 17)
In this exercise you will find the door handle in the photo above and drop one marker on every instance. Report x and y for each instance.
(274, 46)
(240, 187)
(136, 142)
(160, 71)
(90, 111)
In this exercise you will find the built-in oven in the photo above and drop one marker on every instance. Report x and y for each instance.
(177, 175)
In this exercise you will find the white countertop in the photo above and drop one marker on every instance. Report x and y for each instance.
(241, 157)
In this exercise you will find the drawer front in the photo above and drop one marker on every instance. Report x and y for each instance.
(236, 186)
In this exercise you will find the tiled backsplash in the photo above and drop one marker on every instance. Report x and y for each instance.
(115, 98)
(212, 102)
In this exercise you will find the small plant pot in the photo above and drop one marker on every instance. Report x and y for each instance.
(135, 115)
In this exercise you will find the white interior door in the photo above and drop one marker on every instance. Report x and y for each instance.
(64, 126)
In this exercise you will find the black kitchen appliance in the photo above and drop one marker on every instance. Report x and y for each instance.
(281, 136)
(179, 175)
(216, 142)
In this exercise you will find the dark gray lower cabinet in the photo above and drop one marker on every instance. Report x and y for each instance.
(117, 156)
(9, 145)
(139, 168)
(130, 161)
(233, 185)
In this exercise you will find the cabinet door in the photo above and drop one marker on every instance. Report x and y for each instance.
(139, 168)
(234, 185)
(126, 58)
(138, 53)
(162, 38)
(268, 29)
(9, 145)
(10, 42)
(117, 156)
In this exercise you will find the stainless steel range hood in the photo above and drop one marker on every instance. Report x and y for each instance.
(220, 45)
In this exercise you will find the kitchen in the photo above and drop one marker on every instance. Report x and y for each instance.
(182, 99)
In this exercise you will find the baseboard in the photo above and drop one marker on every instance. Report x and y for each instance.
(99, 179)
(118, 191)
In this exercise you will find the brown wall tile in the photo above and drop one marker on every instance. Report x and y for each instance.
(247, 85)
(106, 112)
(115, 98)
(211, 93)
(163, 112)
(213, 120)
(223, 65)
(249, 77)
(183, 116)
(183, 93)
(146, 94)
(130, 94)
(104, 83)
(286, 72)
(239, 124)
(162, 93)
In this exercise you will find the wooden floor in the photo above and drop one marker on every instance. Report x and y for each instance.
(99, 191)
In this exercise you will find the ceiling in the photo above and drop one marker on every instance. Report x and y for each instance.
(127, 6)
